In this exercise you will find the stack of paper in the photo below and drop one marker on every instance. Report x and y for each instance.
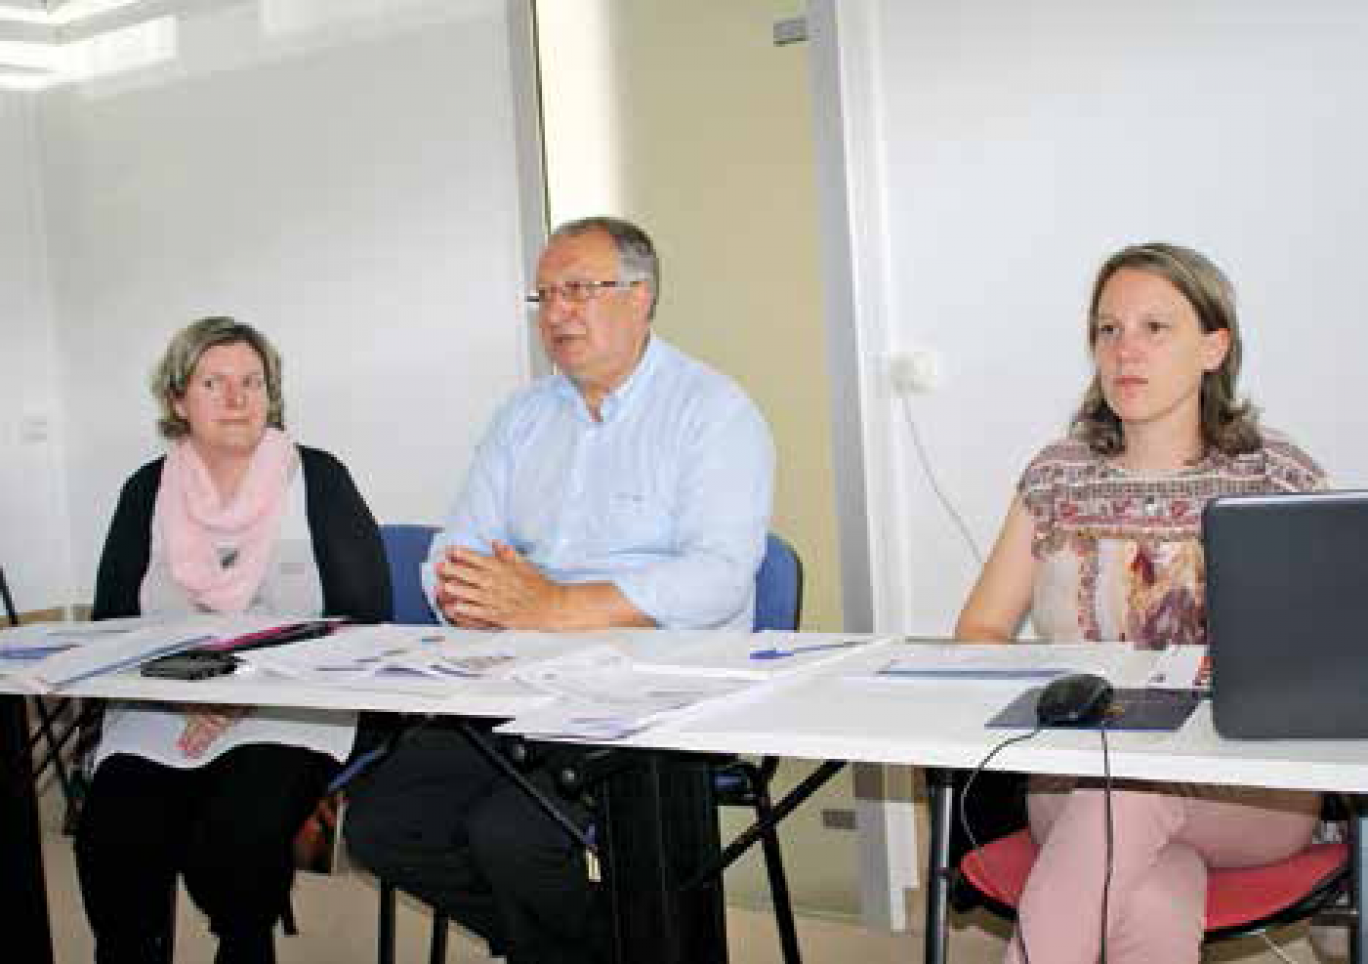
(997, 662)
(25, 645)
(1182, 668)
(755, 656)
(612, 684)
(602, 695)
(404, 659)
(28, 644)
(410, 659)
(81, 651)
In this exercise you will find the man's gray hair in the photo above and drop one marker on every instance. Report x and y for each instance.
(637, 259)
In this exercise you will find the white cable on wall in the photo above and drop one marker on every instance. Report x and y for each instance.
(918, 372)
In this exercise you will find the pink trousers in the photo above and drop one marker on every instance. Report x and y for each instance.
(1164, 838)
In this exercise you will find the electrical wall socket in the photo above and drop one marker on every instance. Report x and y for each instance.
(916, 371)
(838, 818)
(34, 428)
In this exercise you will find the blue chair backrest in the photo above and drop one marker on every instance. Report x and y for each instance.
(778, 583)
(778, 587)
(406, 549)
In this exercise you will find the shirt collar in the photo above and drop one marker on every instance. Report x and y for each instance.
(622, 396)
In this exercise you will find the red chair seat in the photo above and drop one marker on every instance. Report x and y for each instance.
(1235, 896)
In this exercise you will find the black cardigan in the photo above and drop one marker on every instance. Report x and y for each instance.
(346, 543)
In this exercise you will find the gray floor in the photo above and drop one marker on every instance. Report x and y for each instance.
(337, 922)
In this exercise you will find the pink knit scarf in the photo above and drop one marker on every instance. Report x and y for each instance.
(195, 521)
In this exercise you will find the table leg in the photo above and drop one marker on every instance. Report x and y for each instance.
(23, 890)
(940, 785)
(1358, 840)
(657, 828)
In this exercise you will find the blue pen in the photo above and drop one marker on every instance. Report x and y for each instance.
(776, 653)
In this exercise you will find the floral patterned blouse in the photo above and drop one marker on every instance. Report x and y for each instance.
(1120, 553)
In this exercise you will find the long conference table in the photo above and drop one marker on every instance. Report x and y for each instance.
(657, 822)
(656, 810)
(846, 712)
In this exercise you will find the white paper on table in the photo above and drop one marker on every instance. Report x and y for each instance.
(386, 657)
(100, 653)
(25, 645)
(1181, 668)
(693, 652)
(503, 655)
(755, 656)
(998, 662)
(602, 695)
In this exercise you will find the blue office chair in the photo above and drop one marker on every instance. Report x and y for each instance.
(778, 606)
(778, 583)
(406, 549)
(778, 587)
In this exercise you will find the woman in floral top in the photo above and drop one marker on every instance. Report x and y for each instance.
(1102, 542)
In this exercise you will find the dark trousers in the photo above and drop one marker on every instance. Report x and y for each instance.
(439, 822)
(226, 827)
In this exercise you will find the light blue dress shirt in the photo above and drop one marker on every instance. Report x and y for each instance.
(667, 498)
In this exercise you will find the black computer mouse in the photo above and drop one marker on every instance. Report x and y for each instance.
(1079, 699)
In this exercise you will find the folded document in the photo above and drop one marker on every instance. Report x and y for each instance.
(995, 661)
(90, 650)
(602, 695)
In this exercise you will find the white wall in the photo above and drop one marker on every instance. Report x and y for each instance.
(33, 544)
(342, 176)
(999, 151)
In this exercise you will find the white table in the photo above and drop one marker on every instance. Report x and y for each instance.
(834, 715)
(836, 712)
(641, 865)
(843, 714)
(484, 697)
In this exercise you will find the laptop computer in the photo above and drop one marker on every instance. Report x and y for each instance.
(1287, 614)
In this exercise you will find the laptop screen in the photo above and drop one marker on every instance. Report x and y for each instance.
(1287, 614)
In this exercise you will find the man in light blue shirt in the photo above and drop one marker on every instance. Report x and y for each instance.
(632, 488)
(652, 513)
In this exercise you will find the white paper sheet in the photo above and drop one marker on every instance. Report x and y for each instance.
(1181, 668)
(602, 695)
(405, 659)
(98, 651)
(25, 645)
(755, 656)
(997, 662)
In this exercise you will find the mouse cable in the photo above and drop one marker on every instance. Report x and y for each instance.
(1107, 789)
(974, 847)
(1277, 951)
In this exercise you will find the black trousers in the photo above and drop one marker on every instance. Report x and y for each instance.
(226, 827)
(435, 819)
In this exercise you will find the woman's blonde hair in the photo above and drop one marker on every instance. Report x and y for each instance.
(1228, 424)
(172, 375)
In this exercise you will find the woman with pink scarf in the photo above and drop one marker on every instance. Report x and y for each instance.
(235, 518)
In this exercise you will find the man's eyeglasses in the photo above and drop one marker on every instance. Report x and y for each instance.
(575, 292)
